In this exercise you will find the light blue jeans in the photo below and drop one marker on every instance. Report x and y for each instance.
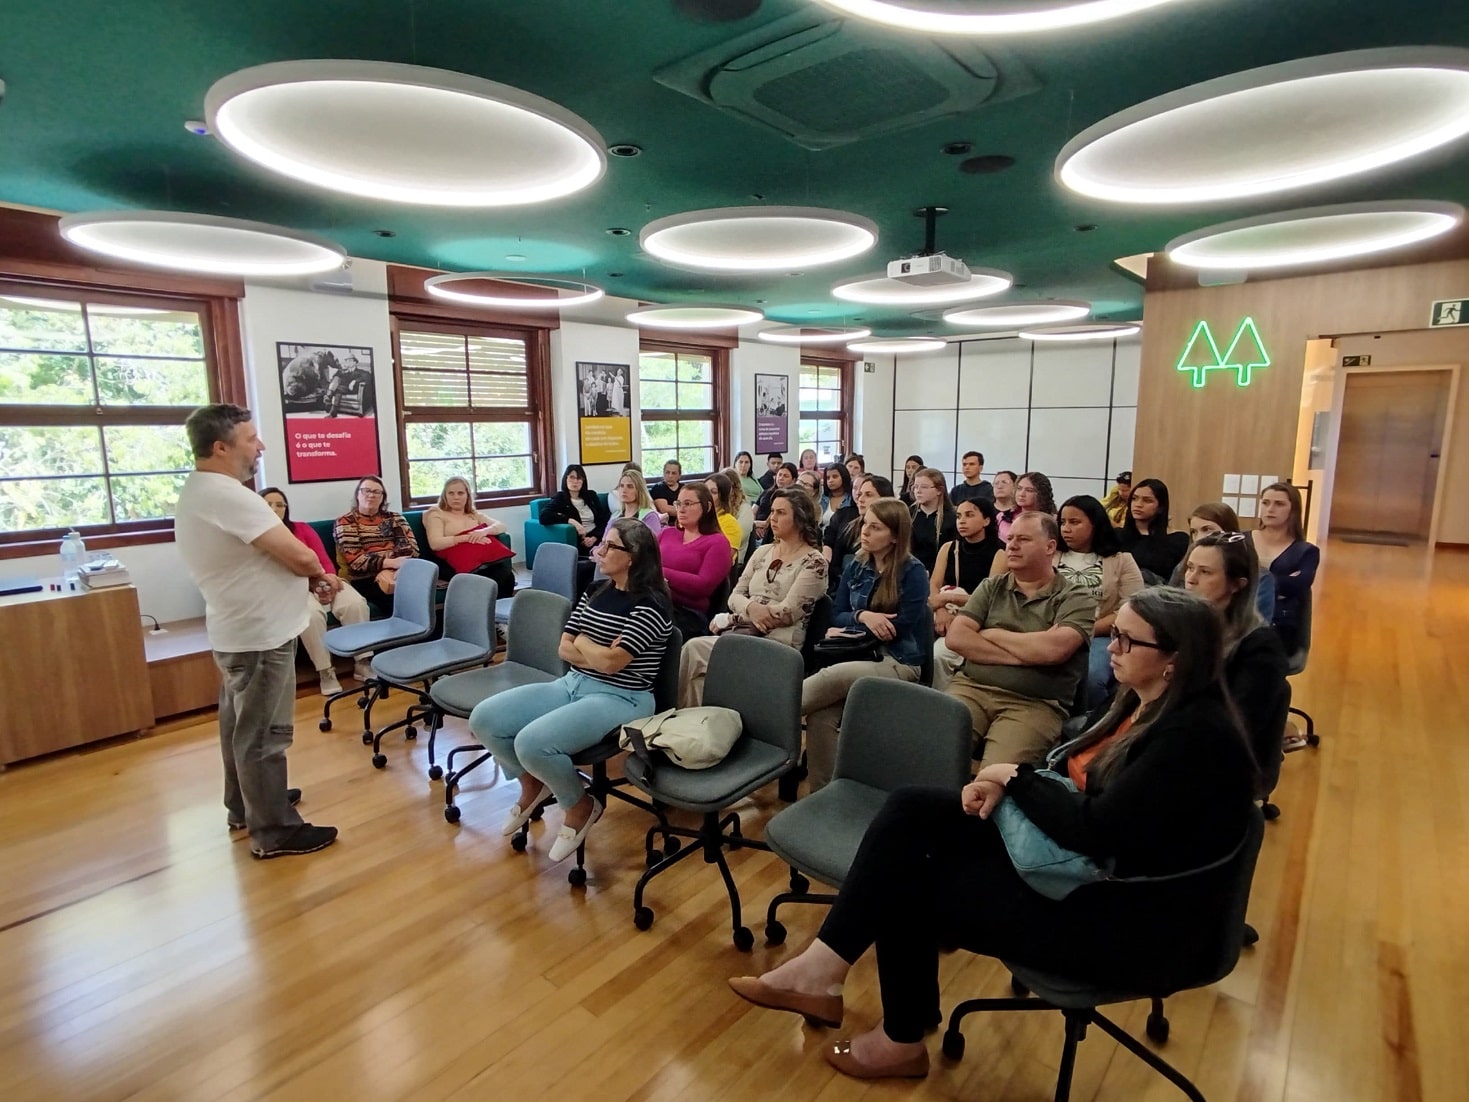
(1100, 679)
(536, 729)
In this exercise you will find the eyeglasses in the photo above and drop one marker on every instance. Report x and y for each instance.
(1126, 642)
(610, 546)
(685, 504)
(772, 570)
(370, 493)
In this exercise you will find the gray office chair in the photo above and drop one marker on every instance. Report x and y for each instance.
(552, 571)
(760, 679)
(468, 640)
(414, 600)
(1296, 664)
(530, 659)
(893, 734)
(1219, 928)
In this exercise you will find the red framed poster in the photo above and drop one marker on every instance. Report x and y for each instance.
(329, 403)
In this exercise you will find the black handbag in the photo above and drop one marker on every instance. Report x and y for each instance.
(847, 647)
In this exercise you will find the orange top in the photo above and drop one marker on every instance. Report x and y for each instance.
(1076, 764)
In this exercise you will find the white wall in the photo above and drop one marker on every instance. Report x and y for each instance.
(872, 412)
(756, 357)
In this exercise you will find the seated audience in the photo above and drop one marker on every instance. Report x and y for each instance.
(777, 590)
(841, 538)
(773, 462)
(1281, 543)
(1023, 637)
(810, 481)
(720, 489)
(974, 485)
(882, 594)
(696, 559)
(578, 505)
(1164, 783)
(633, 503)
(1033, 494)
(464, 538)
(1116, 500)
(744, 512)
(614, 642)
(856, 466)
(933, 516)
(1215, 516)
(665, 493)
(1145, 534)
(784, 479)
(836, 493)
(744, 465)
(1006, 508)
(329, 596)
(1091, 556)
(962, 564)
(911, 466)
(808, 462)
(372, 542)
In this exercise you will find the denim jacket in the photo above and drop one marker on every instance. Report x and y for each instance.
(858, 581)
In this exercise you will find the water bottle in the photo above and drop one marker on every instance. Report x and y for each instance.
(73, 553)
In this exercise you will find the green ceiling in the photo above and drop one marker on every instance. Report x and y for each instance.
(98, 92)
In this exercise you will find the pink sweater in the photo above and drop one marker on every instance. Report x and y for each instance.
(307, 535)
(693, 569)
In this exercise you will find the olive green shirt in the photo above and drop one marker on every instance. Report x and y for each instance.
(999, 603)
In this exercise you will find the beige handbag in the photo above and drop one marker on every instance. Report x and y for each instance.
(691, 738)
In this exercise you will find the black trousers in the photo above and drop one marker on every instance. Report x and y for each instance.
(379, 602)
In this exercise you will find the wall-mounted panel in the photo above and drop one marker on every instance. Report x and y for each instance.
(1124, 431)
(997, 434)
(1126, 368)
(927, 382)
(1069, 443)
(930, 433)
(1072, 375)
(1063, 488)
(994, 375)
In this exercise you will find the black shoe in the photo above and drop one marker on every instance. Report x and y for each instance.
(304, 839)
(293, 797)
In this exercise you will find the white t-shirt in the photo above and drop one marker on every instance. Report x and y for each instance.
(251, 601)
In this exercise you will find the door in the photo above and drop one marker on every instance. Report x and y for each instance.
(1392, 427)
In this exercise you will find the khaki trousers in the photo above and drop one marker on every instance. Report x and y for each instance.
(1013, 729)
(823, 695)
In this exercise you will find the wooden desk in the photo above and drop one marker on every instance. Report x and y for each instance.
(71, 670)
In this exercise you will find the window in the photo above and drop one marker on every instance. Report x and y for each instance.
(94, 391)
(469, 397)
(681, 393)
(826, 424)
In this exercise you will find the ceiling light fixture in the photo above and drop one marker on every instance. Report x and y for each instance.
(405, 133)
(893, 345)
(1091, 331)
(879, 290)
(1009, 315)
(1315, 235)
(1056, 16)
(814, 334)
(694, 317)
(202, 243)
(758, 239)
(1242, 135)
(554, 293)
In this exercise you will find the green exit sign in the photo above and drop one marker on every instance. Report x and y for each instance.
(1245, 355)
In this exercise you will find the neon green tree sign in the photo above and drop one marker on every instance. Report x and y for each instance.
(1246, 354)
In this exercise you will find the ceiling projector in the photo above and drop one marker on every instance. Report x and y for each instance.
(934, 270)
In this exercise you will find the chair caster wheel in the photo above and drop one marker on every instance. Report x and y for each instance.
(1157, 1028)
(577, 877)
(518, 842)
(642, 918)
(799, 884)
(1313, 740)
(775, 933)
(379, 760)
(451, 814)
(435, 772)
(324, 725)
(1019, 989)
(671, 845)
(954, 1045)
(1270, 811)
(411, 734)
(744, 941)
(362, 703)
(366, 738)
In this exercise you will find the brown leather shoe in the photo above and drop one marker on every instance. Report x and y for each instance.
(840, 1057)
(816, 1009)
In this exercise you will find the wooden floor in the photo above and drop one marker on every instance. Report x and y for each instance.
(143, 954)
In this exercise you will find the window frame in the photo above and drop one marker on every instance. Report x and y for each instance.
(537, 410)
(220, 335)
(718, 412)
(843, 416)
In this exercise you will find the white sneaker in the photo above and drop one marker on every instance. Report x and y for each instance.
(568, 841)
(362, 669)
(330, 686)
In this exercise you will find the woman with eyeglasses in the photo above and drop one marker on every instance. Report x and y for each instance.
(1145, 534)
(932, 515)
(883, 597)
(578, 505)
(372, 543)
(1090, 556)
(1006, 507)
(614, 642)
(777, 590)
(696, 558)
(1280, 541)
(1163, 784)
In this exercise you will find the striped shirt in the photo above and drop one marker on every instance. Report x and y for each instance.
(640, 624)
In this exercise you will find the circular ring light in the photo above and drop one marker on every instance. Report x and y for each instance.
(562, 292)
(404, 133)
(758, 239)
(1314, 235)
(694, 317)
(813, 334)
(1051, 17)
(202, 243)
(1092, 331)
(893, 345)
(1010, 315)
(879, 290)
(1275, 129)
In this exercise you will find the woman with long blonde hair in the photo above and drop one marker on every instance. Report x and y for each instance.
(466, 539)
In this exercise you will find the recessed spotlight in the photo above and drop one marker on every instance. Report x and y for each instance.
(758, 239)
(1010, 315)
(1086, 227)
(385, 233)
(1275, 129)
(619, 231)
(614, 275)
(404, 133)
(1313, 236)
(202, 243)
(1077, 13)
(515, 258)
(891, 345)
(197, 127)
(625, 149)
(878, 290)
(694, 317)
(987, 164)
(1090, 331)
(956, 149)
(793, 274)
(813, 334)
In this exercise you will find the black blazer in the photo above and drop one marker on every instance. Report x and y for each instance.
(560, 509)
(1255, 673)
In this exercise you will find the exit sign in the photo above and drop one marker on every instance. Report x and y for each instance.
(1449, 311)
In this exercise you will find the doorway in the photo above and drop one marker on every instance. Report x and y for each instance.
(1388, 455)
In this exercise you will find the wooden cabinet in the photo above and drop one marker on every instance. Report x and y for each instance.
(72, 670)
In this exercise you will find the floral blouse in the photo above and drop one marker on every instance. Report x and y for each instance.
(790, 589)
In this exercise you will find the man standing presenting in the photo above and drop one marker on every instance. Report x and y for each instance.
(974, 485)
(253, 574)
(1024, 637)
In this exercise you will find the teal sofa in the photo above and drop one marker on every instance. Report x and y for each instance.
(537, 533)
